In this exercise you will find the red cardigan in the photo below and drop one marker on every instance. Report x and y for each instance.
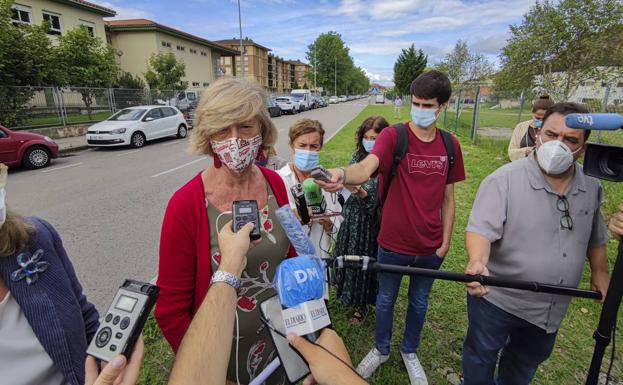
(185, 270)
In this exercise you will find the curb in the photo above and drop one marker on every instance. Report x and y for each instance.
(67, 150)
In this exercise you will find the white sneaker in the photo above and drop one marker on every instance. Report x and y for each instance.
(414, 368)
(370, 363)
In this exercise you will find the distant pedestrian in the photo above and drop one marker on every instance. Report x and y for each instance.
(523, 141)
(357, 235)
(397, 106)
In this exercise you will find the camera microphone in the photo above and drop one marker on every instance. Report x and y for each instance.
(598, 121)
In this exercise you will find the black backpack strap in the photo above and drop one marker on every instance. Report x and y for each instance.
(402, 142)
(448, 142)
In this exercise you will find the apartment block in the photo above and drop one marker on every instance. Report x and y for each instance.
(255, 62)
(63, 15)
(136, 40)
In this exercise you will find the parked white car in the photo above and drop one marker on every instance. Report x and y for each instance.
(136, 125)
(342, 98)
(288, 104)
(333, 100)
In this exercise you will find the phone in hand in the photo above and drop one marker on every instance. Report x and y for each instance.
(321, 173)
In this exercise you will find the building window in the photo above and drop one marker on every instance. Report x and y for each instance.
(55, 23)
(203, 53)
(166, 44)
(90, 26)
(181, 48)
(195, 84)
(206, 84)
(21, 14)
(192, 50)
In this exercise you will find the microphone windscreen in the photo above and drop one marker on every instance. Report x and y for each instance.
(299, 279)
(598, 121)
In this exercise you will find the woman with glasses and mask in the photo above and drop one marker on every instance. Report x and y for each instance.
(523, 141)
(233, 128)
(306, 140)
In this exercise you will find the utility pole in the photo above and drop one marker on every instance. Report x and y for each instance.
(315, 69)
(335, 78)
(241, 48)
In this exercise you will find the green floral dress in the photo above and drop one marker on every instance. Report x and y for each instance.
(357, 236)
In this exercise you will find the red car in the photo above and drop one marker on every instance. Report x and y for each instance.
(26, 149)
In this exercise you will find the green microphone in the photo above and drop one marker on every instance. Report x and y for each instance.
(313, 196)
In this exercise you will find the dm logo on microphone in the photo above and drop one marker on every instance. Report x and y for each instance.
(303, 276)
(299, 279)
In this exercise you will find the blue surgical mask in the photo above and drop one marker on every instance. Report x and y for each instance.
(306, 160)
(368, 145)
(423, 117)
(538, 123)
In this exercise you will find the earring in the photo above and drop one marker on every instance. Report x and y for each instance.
(217, 161)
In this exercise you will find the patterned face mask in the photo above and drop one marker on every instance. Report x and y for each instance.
(236, 153)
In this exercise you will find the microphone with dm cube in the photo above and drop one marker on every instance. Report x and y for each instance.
(299, 281)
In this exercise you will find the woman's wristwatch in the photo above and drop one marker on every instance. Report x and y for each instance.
(228, 278)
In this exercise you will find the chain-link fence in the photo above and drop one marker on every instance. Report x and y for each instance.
(480, 111)
(32, 107)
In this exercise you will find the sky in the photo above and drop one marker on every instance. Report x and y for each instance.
(374, 30)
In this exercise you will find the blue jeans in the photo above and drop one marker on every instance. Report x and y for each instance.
(524, 346)
(389, 285)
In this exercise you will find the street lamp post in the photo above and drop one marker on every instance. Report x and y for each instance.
(335, 78)
(241, 48)
(315, 70)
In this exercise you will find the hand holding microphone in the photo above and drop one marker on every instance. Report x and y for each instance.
(328, 359)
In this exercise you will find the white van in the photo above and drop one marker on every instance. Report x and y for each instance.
(304, 97)
(380, 98)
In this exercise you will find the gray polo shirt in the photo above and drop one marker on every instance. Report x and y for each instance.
(515, 209)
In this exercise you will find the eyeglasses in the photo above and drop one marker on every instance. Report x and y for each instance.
(566, 222)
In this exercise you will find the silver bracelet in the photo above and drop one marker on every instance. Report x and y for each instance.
(225, 277)
(343, 174)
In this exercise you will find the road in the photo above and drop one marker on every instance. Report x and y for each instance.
(107, 204)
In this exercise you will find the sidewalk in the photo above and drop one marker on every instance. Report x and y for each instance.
(72, 144)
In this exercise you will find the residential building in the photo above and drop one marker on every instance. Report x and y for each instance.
(255, 60)
(280, 75)
(136, 40)
(299, 69)
(63, 15)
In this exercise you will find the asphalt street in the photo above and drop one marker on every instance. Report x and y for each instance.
(107, 204)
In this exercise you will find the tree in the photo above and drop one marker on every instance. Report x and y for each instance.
(25, 57)
(88, 64)
(129, 90)
(410, 65)
(295, 85)
(334, 65)
(462, 65)
(127, 80)
(165, 72)
(560, 44)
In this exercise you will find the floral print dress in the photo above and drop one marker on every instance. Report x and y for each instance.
(255, 348)
(357, 237)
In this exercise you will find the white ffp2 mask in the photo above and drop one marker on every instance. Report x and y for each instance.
(555, 157)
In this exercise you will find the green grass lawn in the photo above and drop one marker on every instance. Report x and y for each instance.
(53, 120)
(446, 323)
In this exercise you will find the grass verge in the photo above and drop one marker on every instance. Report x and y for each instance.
(446, 325)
